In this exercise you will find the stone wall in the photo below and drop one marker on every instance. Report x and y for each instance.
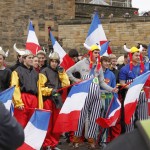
(15, 16)
(130, 31)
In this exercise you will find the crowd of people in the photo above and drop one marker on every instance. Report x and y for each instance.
(38, 78)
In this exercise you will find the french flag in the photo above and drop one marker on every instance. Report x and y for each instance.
(32, 43)
(113, 114)
(132, 96)
(6, 98)
(70, 112)
(35, 131)
(65, 61)
(96, 33)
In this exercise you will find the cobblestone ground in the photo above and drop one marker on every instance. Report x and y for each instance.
(68, 146)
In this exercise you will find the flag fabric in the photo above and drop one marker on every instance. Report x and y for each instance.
(6, 98)
(132, 96)
(65, 61)
(32, 43)
(36, 129)
(96, 33)
(104, 48)
(113, 114)
(70, 112)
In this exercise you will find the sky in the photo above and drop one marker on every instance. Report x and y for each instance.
(143, 5)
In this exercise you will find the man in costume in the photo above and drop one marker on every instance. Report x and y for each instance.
(90, 67)
(127, 74)
(51, 79)
(5, 73)
(25, 79)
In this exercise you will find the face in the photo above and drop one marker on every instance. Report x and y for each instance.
(95, 54)
(136, 57)
(35, 62)
(75, 59)
(41, 59)
(144, 52)
(28, 61)
(105, 64)
(1, 60)
(114, 62)
(53, 64)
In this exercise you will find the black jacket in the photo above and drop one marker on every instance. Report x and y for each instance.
(11, 132)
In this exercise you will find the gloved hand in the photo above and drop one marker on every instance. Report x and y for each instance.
(60, 69)
(54, 92)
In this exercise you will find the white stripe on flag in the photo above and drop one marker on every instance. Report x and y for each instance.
(8, 104)
(32, 37)
(73, 103)
(34, 137)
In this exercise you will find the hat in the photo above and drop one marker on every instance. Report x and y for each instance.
(22, 52)
(133, 50)
(3, 53)
(54, 56)
(41, 52)
(91, 49)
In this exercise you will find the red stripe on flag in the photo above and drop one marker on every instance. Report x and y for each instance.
(67, 62)
(25, 147)
(108, 122)
(129, 110)
(67, 122)
(109, 51)
(33, 47)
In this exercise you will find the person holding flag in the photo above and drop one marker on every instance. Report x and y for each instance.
(51, 79)
(25, 79)
(90, 67)
(126, 76)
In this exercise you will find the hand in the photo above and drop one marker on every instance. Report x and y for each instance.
(60, 69)
(54, 91)
(20, 107)
(78, 80)
(115, 90)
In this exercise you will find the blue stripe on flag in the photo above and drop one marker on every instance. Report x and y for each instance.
(31, 26)
(40, 119)
(104, 48)
(7, 95)
(82, 87)
(140, 79)
(115, 104)
(52, 38)
(94, 25)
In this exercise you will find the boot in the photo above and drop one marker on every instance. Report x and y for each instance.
(76, 141)
(91, 141)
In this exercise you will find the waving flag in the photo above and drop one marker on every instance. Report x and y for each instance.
(32, 43)
(65, 61)
(104, 48)
(96, 33)
(113, 114)
(132, 96)
(6, 97)
(35, 131)
(70, 112)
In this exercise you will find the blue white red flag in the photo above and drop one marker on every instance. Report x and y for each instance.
(69, 115)
(35, 131)
(96, 33)
(6, 98)
(32, 43)
(65, 61)
(113, 114)
(132, 95)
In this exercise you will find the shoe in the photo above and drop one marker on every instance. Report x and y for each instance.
(91, 142)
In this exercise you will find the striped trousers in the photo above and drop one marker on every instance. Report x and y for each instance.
(92, 107)
(141, 112)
